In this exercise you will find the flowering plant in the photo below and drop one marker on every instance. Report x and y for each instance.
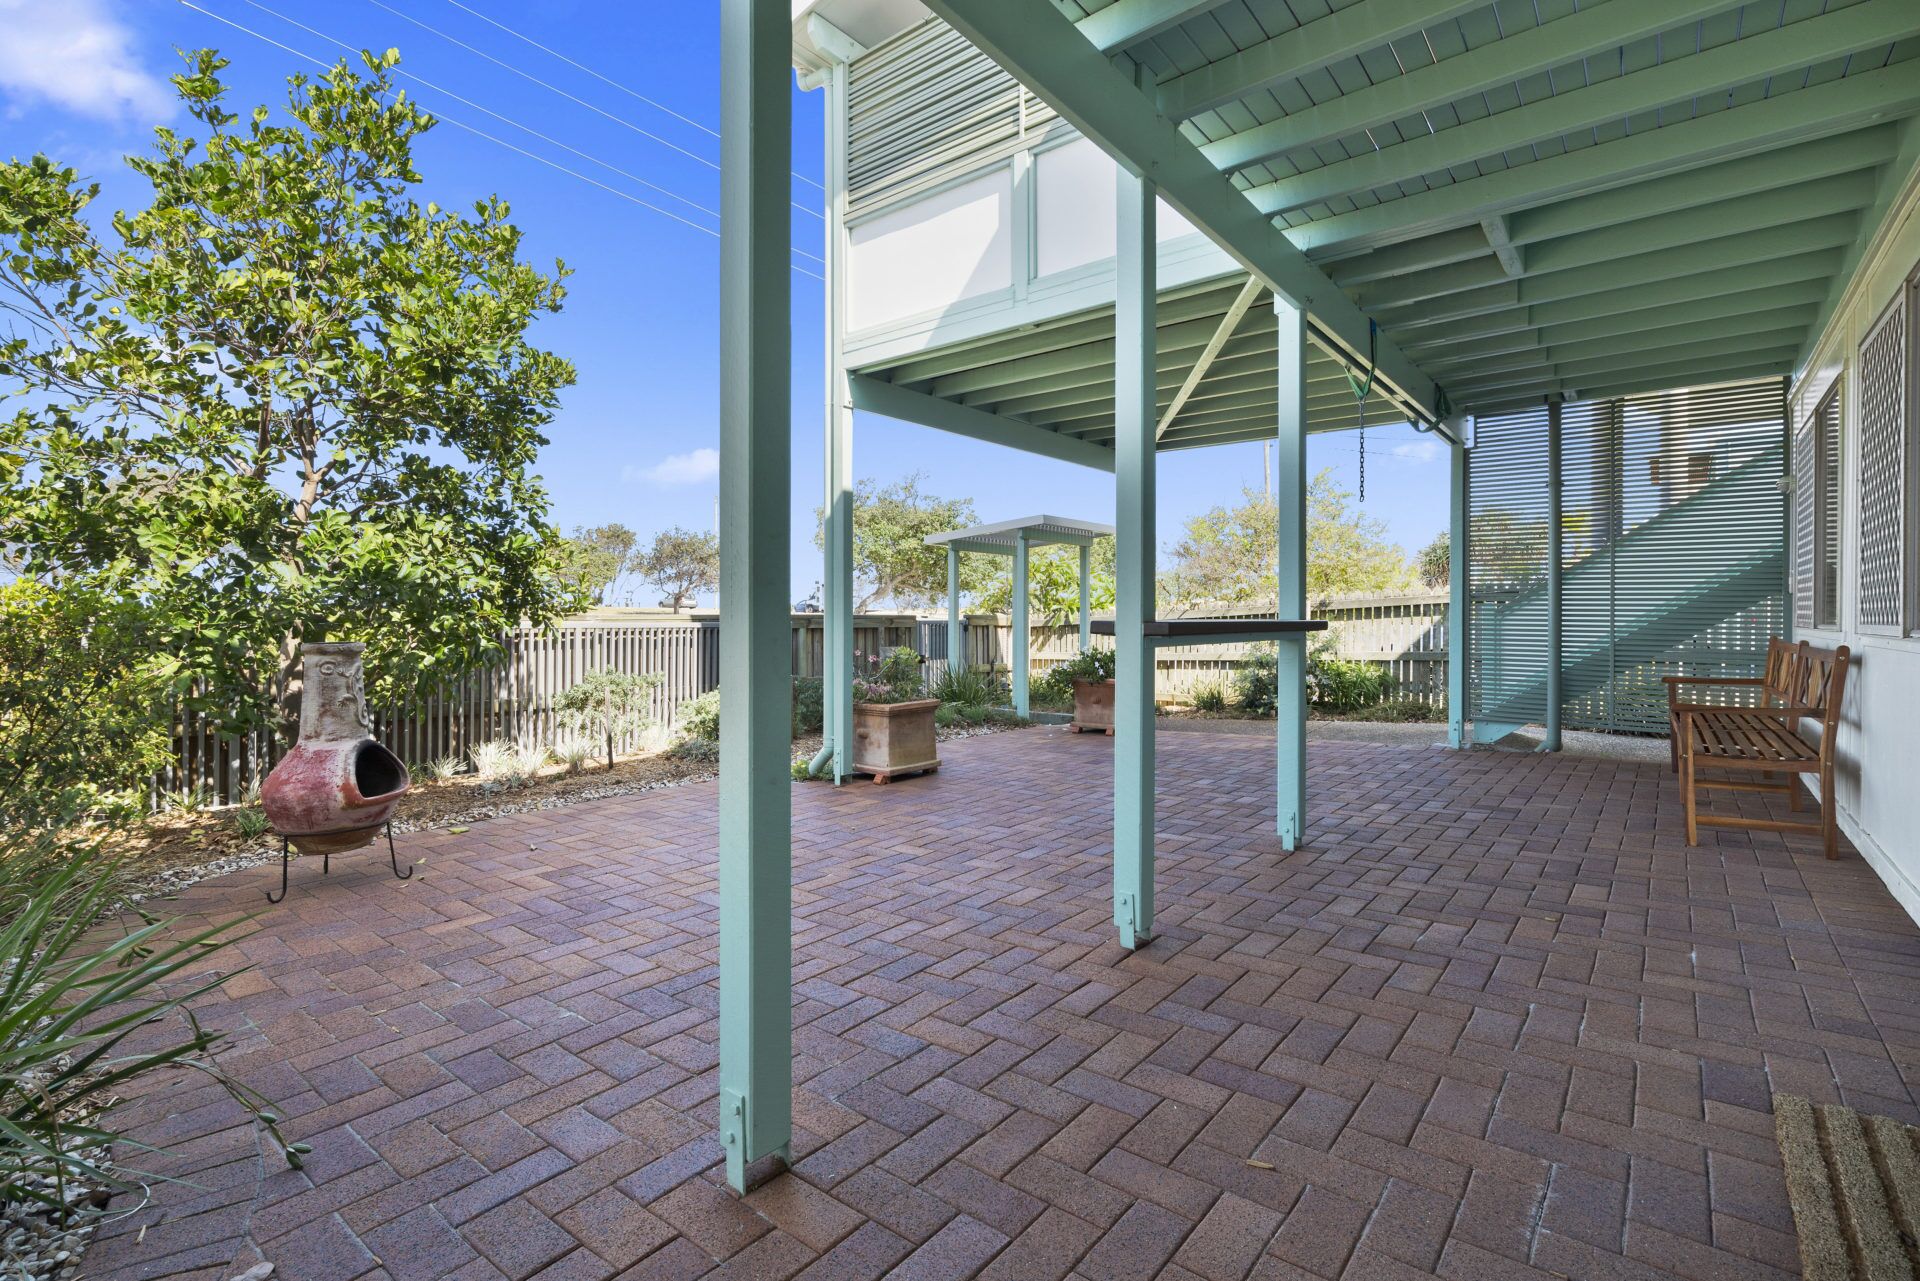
(895, 678)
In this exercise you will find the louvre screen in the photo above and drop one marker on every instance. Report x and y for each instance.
(1672, 560)
(1883, 480)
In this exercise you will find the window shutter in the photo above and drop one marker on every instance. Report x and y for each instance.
(1805, 486)
(1883, 473)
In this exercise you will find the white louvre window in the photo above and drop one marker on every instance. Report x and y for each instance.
(1805, 504)
(1885, 523)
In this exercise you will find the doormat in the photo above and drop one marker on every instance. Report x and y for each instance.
(1854, 1182)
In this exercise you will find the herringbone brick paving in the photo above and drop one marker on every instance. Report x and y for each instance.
(1494, 1021)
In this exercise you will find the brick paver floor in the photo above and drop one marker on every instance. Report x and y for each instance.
(1494, 1021)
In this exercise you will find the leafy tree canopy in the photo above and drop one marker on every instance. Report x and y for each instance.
(1053, 581)
(284, 400)
(892, 563)
(682, 563)
(593, 560)
(1228, 554)
(1434, 562)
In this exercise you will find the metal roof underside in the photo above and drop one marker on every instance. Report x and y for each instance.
(1002, 536)
(1532, 198)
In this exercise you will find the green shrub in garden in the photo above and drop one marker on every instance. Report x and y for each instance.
(608, 707)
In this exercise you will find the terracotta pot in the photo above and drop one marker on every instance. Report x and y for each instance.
(1093, 707)
(337, 786)
(895, 738)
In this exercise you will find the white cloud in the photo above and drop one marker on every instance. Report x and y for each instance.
(77, 55)
(1418, 451)
(690, 468)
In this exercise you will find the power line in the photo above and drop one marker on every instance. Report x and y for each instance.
(626, 89)
(552, 88)
(481, 133)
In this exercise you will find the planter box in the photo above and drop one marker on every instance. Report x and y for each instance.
(1093, 707)
(895, 738)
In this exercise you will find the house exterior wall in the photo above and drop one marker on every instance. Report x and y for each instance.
(1878, 753)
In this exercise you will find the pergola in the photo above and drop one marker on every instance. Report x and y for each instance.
(1473, 208)
(1015, 538)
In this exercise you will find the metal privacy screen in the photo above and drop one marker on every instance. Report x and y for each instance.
(1672, 551)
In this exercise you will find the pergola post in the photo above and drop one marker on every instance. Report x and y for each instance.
(1555, 665)
(1133, 389)
(1086, 611)
(956, 643)
(837, 626)
(1020, 659)
(1459, 607)
(1290, 495)
(755, 873)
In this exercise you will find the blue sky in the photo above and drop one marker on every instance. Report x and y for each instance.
(84, 81)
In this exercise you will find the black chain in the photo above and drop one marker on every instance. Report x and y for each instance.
(1360, 393)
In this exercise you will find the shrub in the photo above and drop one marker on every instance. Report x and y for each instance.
(1344, 684)
(947, 715)
(1209, 696)
(573, 752)
(809, 705)
(525, 760)
(703, 750)
(1256, 686)
(84, 715)
(490, 759)
(894, 679)
(969, 686)
(251, 823)
(1055, 686)
(608, 706)
(699, 718)
(442, 768)
(71, 1001)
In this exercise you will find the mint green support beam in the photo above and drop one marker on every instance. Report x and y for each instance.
(1556, 561)
(756, 653)
(1086, 606)
(1136, 494)
(837, 626)
(1022, 634)
(1290, 494)
(1128, 22)
(1459, 606)
(956, 638)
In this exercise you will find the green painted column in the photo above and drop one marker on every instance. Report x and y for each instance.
(756, 933)
(956, 638)
(1290, 497)
(837, 626)
(1556, 665)
(1459, 607)
(1135, 498)
(1021, 660)
(1086, 607)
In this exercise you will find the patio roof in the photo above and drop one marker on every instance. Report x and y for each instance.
(1002, 538)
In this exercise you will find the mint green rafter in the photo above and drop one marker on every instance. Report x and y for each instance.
(1128, 22)
(1134, 445)
(756, 656)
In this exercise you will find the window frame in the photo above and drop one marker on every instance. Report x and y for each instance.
(1823, 575)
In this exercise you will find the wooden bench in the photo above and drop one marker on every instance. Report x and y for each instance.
(1799, 683)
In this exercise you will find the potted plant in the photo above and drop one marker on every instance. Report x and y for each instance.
(893, 730)
(1092, 674)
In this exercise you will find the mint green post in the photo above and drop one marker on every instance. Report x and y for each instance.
(1020, 661)
(1134, 421)
(836, 639)
(956, 638)
(1459, 608)
(1086, 611)
(756, 933)
(1290, 493)
(1555, 602)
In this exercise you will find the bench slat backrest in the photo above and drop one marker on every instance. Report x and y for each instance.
(1820, 682)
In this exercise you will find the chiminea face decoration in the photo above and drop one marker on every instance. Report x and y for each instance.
(335, 789)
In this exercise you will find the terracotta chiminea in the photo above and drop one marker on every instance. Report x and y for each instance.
(336, 788)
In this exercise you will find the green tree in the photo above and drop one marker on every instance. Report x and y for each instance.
(1434, 562)
(1228, 554)
(891, 560)
(595, 559)
(682, 563)
(1053, 581)
(283, 401)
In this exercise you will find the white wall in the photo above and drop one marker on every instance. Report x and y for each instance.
(1878, 753)
(939, 250)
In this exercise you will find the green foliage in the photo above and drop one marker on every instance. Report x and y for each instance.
(1256, 686)
(251, 823)
(699, 718)
(1053, 581)
(608, 706)
(284, 400)
(75, 1003)
(1433, 564)
(970, 686)
(891, 558)
(1344, 684)
(809, 706)
(682, 563)
(1054, 688)
(800, 771)
(593, 560)
(83, 711)
(1229, 554)
(1209, 696)
(897, 678)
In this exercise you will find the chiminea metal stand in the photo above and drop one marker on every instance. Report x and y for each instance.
(326, 863)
